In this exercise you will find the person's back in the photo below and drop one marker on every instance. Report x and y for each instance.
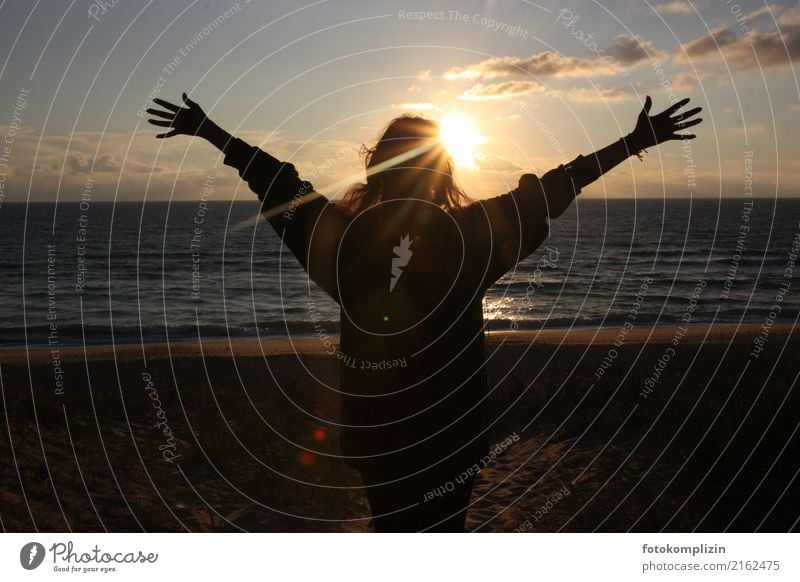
(412, 361)
(412, 340)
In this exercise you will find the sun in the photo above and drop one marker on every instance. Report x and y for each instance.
(462, 140)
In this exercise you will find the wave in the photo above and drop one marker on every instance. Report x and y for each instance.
(95, 334)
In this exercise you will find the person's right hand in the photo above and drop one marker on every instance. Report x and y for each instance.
(189, 120)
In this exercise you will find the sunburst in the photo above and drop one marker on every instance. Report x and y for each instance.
(461, 139)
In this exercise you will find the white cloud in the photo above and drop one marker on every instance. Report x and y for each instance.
(503, 90)
(584, 95)
(675, 7)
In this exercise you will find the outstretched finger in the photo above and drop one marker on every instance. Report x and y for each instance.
(160, 123)
(673, 108)
(159, 113)
(687, 124)
(678, 136)
(166, 105)
(688, 114)
(648, 103)
(170, 134)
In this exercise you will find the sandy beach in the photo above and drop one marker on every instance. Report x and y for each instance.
(653, 429)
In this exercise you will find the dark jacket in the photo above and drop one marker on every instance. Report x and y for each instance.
(410, 279)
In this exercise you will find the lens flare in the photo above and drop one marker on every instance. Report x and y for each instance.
(319, 434)
(306, 458)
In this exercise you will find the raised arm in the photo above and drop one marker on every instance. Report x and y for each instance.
(563, 184)
(513, 225)
(650, 131)
(303, 218)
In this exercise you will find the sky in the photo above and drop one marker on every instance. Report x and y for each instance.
(311, 81)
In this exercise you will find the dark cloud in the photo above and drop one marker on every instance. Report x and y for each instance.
(712, 42)
(769, 50)
(623, 51)
(544, 64)
(630, 50)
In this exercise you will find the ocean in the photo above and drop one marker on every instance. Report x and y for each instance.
(106, 273)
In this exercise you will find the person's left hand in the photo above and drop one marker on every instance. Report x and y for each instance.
(189, 120)
(653, 130)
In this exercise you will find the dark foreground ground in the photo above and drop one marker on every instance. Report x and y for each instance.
(714, 447)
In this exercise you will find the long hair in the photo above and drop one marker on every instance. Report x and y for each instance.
(408, 160)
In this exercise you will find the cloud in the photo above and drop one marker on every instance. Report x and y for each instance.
(503, 90)
(84, 163)
(624, 50)
(508, 89)
(714, 40)
(598, 95)
(544, 64)
(769, 50)
(765, 10)
(674, 7)
(630, 50)
(790, 17)
(124, 168)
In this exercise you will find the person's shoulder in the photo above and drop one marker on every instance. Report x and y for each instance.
(529, 181)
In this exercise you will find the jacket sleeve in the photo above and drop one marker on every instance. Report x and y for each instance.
(307, 223)
(506, 229)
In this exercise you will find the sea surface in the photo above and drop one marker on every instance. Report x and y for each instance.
(159, 271)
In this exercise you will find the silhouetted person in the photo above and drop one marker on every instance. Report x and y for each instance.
(409, 258)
